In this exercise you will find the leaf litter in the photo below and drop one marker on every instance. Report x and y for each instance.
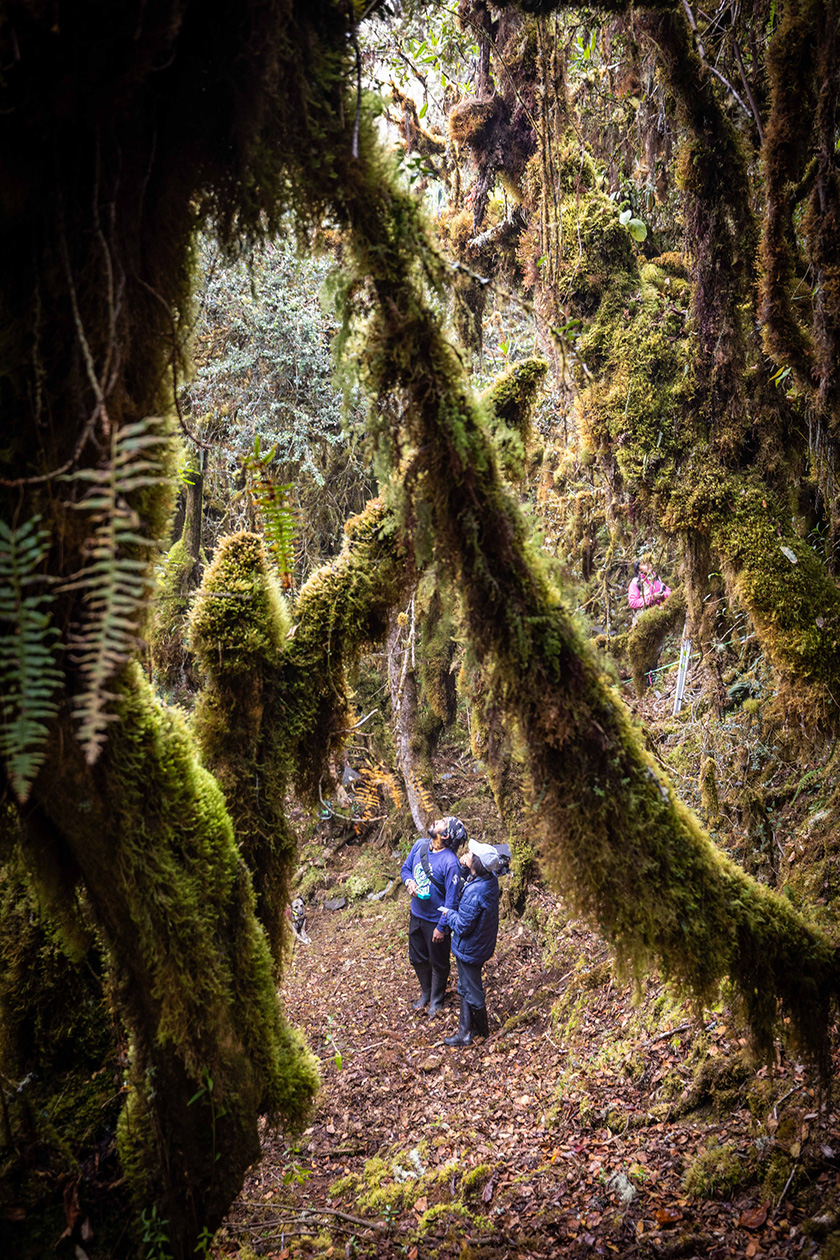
(593, 1121)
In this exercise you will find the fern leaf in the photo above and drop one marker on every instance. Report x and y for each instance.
(115, 582)
(278, 514)
(29, 675)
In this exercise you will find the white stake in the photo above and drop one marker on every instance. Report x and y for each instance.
(685, 656)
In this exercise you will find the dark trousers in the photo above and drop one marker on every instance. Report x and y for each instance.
(470, 985)
(425, 954)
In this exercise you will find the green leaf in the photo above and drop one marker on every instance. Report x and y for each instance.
(637, 229)
(421, 113)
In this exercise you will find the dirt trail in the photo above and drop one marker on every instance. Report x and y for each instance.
(570, 1136)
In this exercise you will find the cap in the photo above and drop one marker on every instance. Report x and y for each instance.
(490, 857)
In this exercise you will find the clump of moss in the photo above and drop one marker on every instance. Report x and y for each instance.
(170, 658)
(510, 401)
(238, 630)
(644, 641)
(716, 1173)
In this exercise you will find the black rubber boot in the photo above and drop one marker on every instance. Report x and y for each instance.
(463, 1036)
(438, 993)
(424, 975)
(478, 1019)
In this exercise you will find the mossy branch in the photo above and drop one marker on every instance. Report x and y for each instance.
(624, 850)
(646, 637)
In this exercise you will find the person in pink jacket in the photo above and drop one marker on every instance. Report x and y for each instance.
(646, 590)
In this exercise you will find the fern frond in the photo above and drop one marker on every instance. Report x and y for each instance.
(115, 581)
(29, 675)
(279, 516)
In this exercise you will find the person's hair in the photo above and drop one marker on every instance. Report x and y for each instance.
(478, 867)
(636, 567)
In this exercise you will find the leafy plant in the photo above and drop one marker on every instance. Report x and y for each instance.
(273, 501)
(338, 1058)
(114, 583)
(636, 227)
(29, 676)
(155, 1238)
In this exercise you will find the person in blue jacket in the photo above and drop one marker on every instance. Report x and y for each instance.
(475, 927)
(431, 891)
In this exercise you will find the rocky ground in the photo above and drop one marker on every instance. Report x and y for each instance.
(590, 1122)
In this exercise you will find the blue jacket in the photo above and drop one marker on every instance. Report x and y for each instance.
(475, 924)
(447, 871)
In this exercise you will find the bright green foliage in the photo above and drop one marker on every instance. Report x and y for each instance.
(273, 500)
(29, 676)
(114, 581)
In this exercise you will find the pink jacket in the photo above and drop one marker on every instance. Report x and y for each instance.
(654, 592)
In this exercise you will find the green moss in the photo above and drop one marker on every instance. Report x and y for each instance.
(510, 401)
(452, 1213)
(626, 853)
(240, 617)
(472, 1180)
(716, 1173)
(191, 965)
(644, 641)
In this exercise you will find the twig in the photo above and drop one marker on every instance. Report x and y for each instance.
(787, 1187)
(782, 1099)
(314, 1211)
(360, 722)
(748, 90)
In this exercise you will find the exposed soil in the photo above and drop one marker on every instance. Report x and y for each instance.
(574, 1129)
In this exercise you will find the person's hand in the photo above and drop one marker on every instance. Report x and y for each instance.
(437, 935)
(411, 886)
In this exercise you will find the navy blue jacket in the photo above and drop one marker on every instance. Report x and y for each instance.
(447, 871)
(475, 924)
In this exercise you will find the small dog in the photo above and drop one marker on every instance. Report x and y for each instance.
(297, 913)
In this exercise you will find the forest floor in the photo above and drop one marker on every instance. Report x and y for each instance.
(591, 1122)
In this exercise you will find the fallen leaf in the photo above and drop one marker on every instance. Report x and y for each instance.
(412, 1253)
(754, 1219)
(668, 1216)
(487, 1192)
(421, 1205)
(752, 1248)
(795, 1148)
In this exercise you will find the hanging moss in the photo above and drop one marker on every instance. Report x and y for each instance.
(511, 400)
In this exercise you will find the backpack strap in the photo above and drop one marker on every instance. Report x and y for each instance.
(427, 867)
